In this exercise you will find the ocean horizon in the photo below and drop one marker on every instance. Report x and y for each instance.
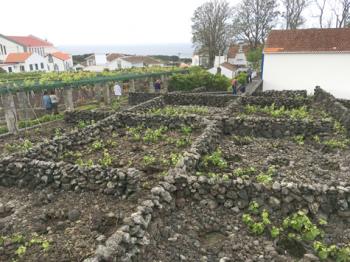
(185, 50)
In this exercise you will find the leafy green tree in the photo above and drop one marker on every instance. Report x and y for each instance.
(254, 56)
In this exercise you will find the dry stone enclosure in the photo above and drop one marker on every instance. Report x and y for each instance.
(185, 177)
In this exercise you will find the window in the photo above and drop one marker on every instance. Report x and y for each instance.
(22, 68)
(10, 69)
(36, 67)
(42, 65)
(50, 59)
(31, 67)
(5, 53)
(1, 49)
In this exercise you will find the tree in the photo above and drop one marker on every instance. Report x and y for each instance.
(293, 12)
(254, 56)
(333, 13)
(211, 28)
(254, 19)
(341, 11)
(321, 6)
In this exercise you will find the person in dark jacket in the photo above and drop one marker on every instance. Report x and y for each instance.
(47, 104)
(157, 86)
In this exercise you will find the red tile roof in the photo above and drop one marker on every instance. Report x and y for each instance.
(308, 40)
(17, 57)
(29, 41)
(233, 50)
(61, 56)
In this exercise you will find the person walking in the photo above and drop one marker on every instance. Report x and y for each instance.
(234, 86)
(46, 101)
(157, 86)
(54, 102)
(249, 75)
(117, 90)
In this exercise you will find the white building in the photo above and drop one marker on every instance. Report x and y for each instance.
(24, 62)
(227, 70)
(303, 59)
(20, 44)
(25, 45)
(96, 60)
(235, 55)
(59, 62)
(133, 61)
(200, 60)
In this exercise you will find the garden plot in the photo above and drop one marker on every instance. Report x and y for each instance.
(185, 110)
(203, 231)
(55, 226)
(312, 160)
(300, 113)
(28, 138)
(151, 150)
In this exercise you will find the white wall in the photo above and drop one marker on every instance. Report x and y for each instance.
(219, 60)
(100, 59)
(11, 47)
(33, 60)
(224, 71)
(61, 65)
(305, 71)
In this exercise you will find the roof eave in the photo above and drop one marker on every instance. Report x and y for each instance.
(308, 52)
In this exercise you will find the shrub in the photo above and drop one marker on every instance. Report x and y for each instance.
(242, 78)
(198, 78)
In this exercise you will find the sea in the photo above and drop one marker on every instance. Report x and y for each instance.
(184, 50)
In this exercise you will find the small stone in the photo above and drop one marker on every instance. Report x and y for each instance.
(73, 215)
(224, 259)
(183, 258)
(101, 238)
(274, 202)
(310, 258)
(276, 186)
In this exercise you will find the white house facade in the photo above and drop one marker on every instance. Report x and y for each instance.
(235, 55)
(24, 62)
(59, 62)
(96, 60)
(227, 70)
(13, 49)
(7, 46)
(303, 59)
(133, 62)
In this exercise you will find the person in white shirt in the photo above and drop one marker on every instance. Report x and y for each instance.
(117, 90)
(54, 102)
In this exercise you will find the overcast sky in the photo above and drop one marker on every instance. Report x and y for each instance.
(100, 22)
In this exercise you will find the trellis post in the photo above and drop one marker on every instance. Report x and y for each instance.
(68, 99)
(106, 94)
(25, 110)
(10, 113)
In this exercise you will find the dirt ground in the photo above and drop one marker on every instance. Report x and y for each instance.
(73, 224)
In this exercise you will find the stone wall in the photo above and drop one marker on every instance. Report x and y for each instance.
(198, 99)
(74, 117)
(274, 128)
(136, 98)
(336, 109)
(283, 93)
(33, 173)
(287, 102)
(344, 102)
